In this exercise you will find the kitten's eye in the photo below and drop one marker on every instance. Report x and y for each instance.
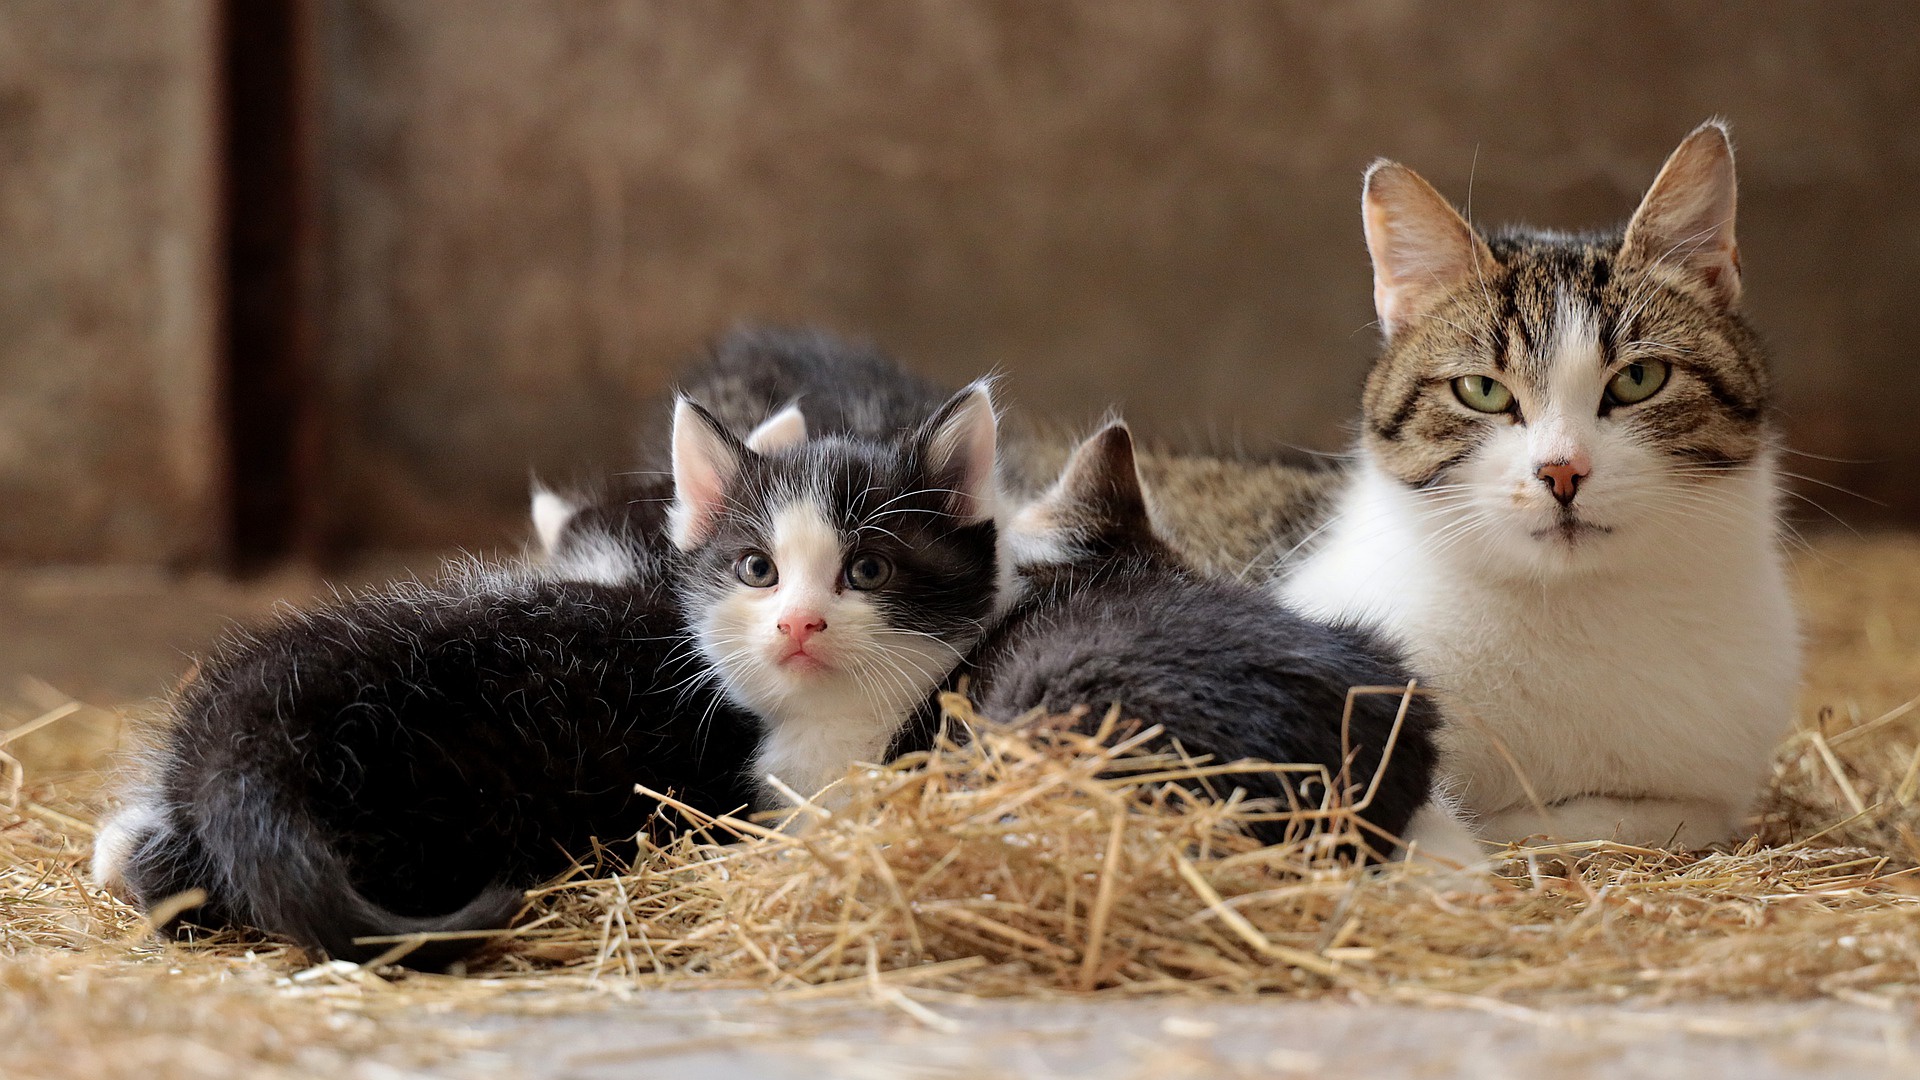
(1481, 394)
(1637, 382)
(867, 571)
(756, 570)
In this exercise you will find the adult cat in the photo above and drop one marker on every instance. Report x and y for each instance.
(1565, 507)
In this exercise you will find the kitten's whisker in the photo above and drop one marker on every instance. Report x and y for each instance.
(905, 495)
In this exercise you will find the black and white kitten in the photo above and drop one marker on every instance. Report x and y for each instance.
(835, 583)
(608, 533)
(754, 382)
(1114, 615)
(411, 760)
(1110, 611)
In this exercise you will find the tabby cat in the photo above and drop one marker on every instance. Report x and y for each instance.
(1565, 505)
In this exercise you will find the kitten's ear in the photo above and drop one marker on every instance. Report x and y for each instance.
(1686, 220)
(784, 429)
(551, 513)
(706, 458)
(1422, 248)
(1100, 487)
(959, 442)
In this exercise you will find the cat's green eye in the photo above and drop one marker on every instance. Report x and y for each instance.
(756, 571)
(1637, 382)
(1481, 394)
(867, 571)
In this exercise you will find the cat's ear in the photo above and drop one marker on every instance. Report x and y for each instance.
(1422, 248)
(1686, 220)
(551, 513)
(959, 443)
(1100, 487)
(706, 459)
(784, 429)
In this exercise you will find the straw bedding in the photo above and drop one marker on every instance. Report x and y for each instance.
(1036, 861)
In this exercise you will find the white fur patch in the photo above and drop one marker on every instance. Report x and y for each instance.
(550, 516)
(113, 845)
(594, 557)
(1438, 834)
(1641, 678)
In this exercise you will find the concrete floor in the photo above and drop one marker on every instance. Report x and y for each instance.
(124, 637)
(710, 1036)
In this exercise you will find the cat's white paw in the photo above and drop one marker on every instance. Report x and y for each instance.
(1437, 838)
(1675, 824)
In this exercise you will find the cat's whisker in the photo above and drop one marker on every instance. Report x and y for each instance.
(1831, 486)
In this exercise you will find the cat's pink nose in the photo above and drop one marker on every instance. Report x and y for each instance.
(1563, 478)
(801, 625)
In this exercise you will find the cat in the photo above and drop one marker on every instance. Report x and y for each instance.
(606, 534)
(754, 381)
(1091, 569)
(845, 387)
(836, 582)
(410, 761)
(1565, 507)
(1114, 615)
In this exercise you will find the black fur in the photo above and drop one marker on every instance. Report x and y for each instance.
(843, 387)
(413, 759)
(1222, 666)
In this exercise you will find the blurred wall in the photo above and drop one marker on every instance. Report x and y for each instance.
(531, 213)
(539, 210)
(108, 442)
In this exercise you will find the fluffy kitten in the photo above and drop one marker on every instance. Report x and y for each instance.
(753, 381)
(1117, 616)
(1565, 507)
(413, 759)
(836, 582)
(1113, 613)
(845, 387)
(607, 535)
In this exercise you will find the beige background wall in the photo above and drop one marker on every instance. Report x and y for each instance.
(538, 209)
(108, 445)
(534, 211)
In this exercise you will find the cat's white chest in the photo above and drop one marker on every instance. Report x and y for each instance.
(1670, 678)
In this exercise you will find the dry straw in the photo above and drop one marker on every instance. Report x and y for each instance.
(1037, 861)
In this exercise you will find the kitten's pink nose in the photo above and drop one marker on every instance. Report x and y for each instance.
(1564, 477)
(801, 625)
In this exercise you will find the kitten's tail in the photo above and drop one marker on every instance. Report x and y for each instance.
(275, 871)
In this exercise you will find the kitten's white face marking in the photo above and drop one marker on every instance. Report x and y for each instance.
(832, 694)
(1495, 505)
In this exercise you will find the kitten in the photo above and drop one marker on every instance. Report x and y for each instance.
(753, 381)
(836, 582)
(1565, 506)
(845, 387)
(1088, 545)
(413, 759)
(1117, 616)
(608, 535)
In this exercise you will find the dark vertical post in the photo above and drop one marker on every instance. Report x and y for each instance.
(269, 116)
